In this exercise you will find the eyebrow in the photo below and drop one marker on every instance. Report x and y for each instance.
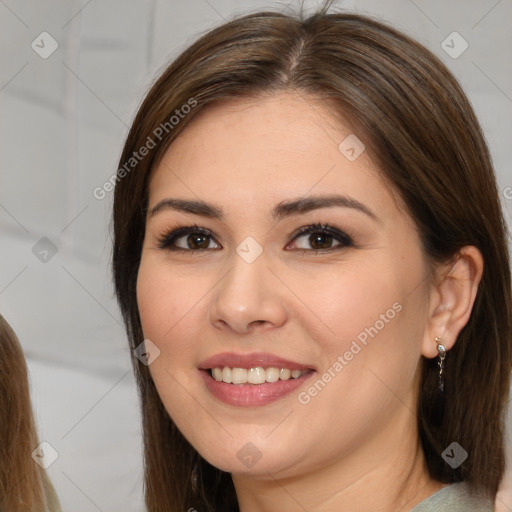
(280, 211)
(188, 206)
(304, 205)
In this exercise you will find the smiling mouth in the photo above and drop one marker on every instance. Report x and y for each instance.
(257, 375)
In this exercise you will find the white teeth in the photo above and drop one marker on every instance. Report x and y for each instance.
(257, 375)
(226, 375)
(272, 374)
(239, 375)
(284, 374)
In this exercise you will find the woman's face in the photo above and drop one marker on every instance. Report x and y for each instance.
(292, 258)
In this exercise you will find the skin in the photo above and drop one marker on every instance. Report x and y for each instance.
(355, 444)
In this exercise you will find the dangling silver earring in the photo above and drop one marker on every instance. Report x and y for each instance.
(438, 405)
(442, 357)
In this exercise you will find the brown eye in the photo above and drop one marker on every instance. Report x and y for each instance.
(198, 241)
(320, 241)
(188, 239)
(321, 238)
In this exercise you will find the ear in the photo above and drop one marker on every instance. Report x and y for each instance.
(451, 299)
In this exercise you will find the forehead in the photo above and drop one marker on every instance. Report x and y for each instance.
(270, 147)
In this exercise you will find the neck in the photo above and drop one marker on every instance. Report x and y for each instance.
(387, 474)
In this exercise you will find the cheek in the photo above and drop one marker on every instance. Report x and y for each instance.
(369, 323)
(164, 300)
(349, 303)
(370, 361)
(166, 303)
(152, 301)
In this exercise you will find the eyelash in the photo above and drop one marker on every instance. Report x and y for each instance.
(167, 240)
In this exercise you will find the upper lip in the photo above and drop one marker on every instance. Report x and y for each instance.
(259, 359)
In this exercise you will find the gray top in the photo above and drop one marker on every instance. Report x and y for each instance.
(52, 501)
(454, 498)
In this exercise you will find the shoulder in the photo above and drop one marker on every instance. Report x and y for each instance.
(455, 498)
(52, 501)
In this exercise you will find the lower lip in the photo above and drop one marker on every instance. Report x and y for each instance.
(252, 395)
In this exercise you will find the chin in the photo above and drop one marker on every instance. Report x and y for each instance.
(258, 458)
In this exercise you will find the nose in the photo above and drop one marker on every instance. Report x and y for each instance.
(248, 298)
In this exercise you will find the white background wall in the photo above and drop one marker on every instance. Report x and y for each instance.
(62, 123)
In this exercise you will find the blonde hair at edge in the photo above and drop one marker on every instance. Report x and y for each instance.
(24, 485)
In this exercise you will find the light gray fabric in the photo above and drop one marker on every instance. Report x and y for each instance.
(454, 498)
(52, 500)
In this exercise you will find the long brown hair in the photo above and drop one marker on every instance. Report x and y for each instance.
(22, 481)
(421, 130)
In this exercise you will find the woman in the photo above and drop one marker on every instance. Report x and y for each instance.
(309, 239)
(24, 485)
